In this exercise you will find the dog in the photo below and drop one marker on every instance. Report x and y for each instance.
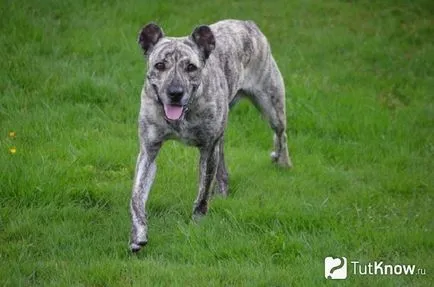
(190, 84)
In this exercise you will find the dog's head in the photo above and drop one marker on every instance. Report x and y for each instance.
(175, 65)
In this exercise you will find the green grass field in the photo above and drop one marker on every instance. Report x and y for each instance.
(360, 83)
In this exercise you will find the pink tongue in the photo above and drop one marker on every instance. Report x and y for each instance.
(173, 112)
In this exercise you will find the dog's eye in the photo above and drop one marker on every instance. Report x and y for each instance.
(160, 66)
(191, 68)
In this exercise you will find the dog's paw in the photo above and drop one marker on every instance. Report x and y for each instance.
(135, 247)
(199, 211)
(280, 160)
(274, 156)
(197, 217)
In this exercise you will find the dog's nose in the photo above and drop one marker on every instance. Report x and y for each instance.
(175, 93)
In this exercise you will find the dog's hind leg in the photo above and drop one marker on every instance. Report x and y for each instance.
(144, 177)
(207, 171)
(268, 95)
(222, 174)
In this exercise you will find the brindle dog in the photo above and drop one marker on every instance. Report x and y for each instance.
(190, 84)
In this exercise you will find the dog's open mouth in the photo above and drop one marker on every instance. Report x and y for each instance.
(173, 112)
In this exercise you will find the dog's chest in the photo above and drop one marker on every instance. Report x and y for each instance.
(194, 134)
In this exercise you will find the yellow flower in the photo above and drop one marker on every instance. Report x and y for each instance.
(12, 134)
(13, 150)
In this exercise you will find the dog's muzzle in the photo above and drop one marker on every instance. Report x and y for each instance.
(175, 110)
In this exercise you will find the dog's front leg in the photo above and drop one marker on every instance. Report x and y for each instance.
(144, 177)
(207, 171)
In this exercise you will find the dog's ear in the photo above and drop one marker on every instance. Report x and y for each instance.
(149, 36)
(204, 39)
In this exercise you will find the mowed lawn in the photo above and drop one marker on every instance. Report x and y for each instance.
(360, 86)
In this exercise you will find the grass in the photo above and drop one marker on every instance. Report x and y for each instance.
(360, 82)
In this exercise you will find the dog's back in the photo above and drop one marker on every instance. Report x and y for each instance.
(240, 39)
(243, 54)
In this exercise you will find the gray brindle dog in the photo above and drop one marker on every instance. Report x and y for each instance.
(190, 84)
